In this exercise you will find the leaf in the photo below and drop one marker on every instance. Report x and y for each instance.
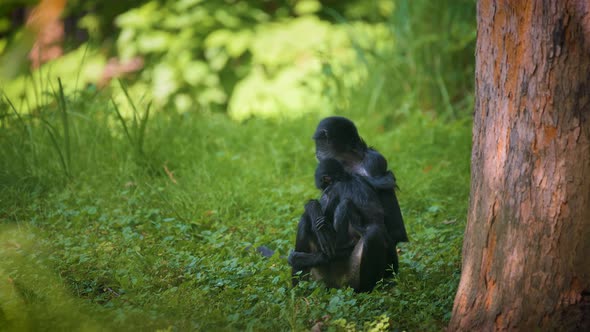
(434, 209)
(307, 7)
(164, 81)
(140, 18)
(239, 43)
(218, 38)
(155, 41)
(195, 72)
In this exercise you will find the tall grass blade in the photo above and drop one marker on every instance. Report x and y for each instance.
(51, 131)
(81, 66)
(444, 92)
(65, 123)
(130, 101)
(123, 122)
(375, 94)
(142, 127)
(20, 119)
(27, 134)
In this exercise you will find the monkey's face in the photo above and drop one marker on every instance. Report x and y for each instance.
(326, 181)
(334, 138)
(322, 180)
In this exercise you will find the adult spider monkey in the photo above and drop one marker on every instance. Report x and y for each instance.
(323, 250)
(342, 239)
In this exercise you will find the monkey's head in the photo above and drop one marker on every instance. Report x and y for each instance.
(337, 137)
(328, 172)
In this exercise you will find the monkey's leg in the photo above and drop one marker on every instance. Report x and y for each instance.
(371, 253)
(373, 258)
(305, 242)
(393, 216)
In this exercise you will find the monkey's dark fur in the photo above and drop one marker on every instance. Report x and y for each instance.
(342, 239)
(337, 138)
(348, 238)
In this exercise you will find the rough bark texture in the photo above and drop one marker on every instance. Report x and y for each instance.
(526, 255)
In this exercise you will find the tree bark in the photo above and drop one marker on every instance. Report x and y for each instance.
(526, 253)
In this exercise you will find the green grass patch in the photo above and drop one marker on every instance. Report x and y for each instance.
(111, 224)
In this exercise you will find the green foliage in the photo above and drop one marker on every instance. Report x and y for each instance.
(300, 67)
(277, 59)
(256, 63)
(34, 91)
(435, 62)
(136, 132)
(206, 56)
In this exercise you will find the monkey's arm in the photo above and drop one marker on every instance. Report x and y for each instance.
(382, 182)
(304, 260)
(322, 228)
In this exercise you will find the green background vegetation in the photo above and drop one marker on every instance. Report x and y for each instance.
(136, 205)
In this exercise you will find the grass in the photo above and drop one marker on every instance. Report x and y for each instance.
(100, 237)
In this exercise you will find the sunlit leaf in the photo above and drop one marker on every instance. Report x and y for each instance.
(164, 82)
(156, 41)
(307, 7)
(195, 72)
(140, 18)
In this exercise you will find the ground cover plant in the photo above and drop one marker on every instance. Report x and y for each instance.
(164, 238)
(117, 213)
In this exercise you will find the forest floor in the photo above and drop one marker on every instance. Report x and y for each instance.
(111, 225)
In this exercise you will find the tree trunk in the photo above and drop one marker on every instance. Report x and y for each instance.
(526, 254)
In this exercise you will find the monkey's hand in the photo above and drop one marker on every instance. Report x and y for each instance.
(325, 236)
(323, 230)
(303, 260)
(319, 223)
